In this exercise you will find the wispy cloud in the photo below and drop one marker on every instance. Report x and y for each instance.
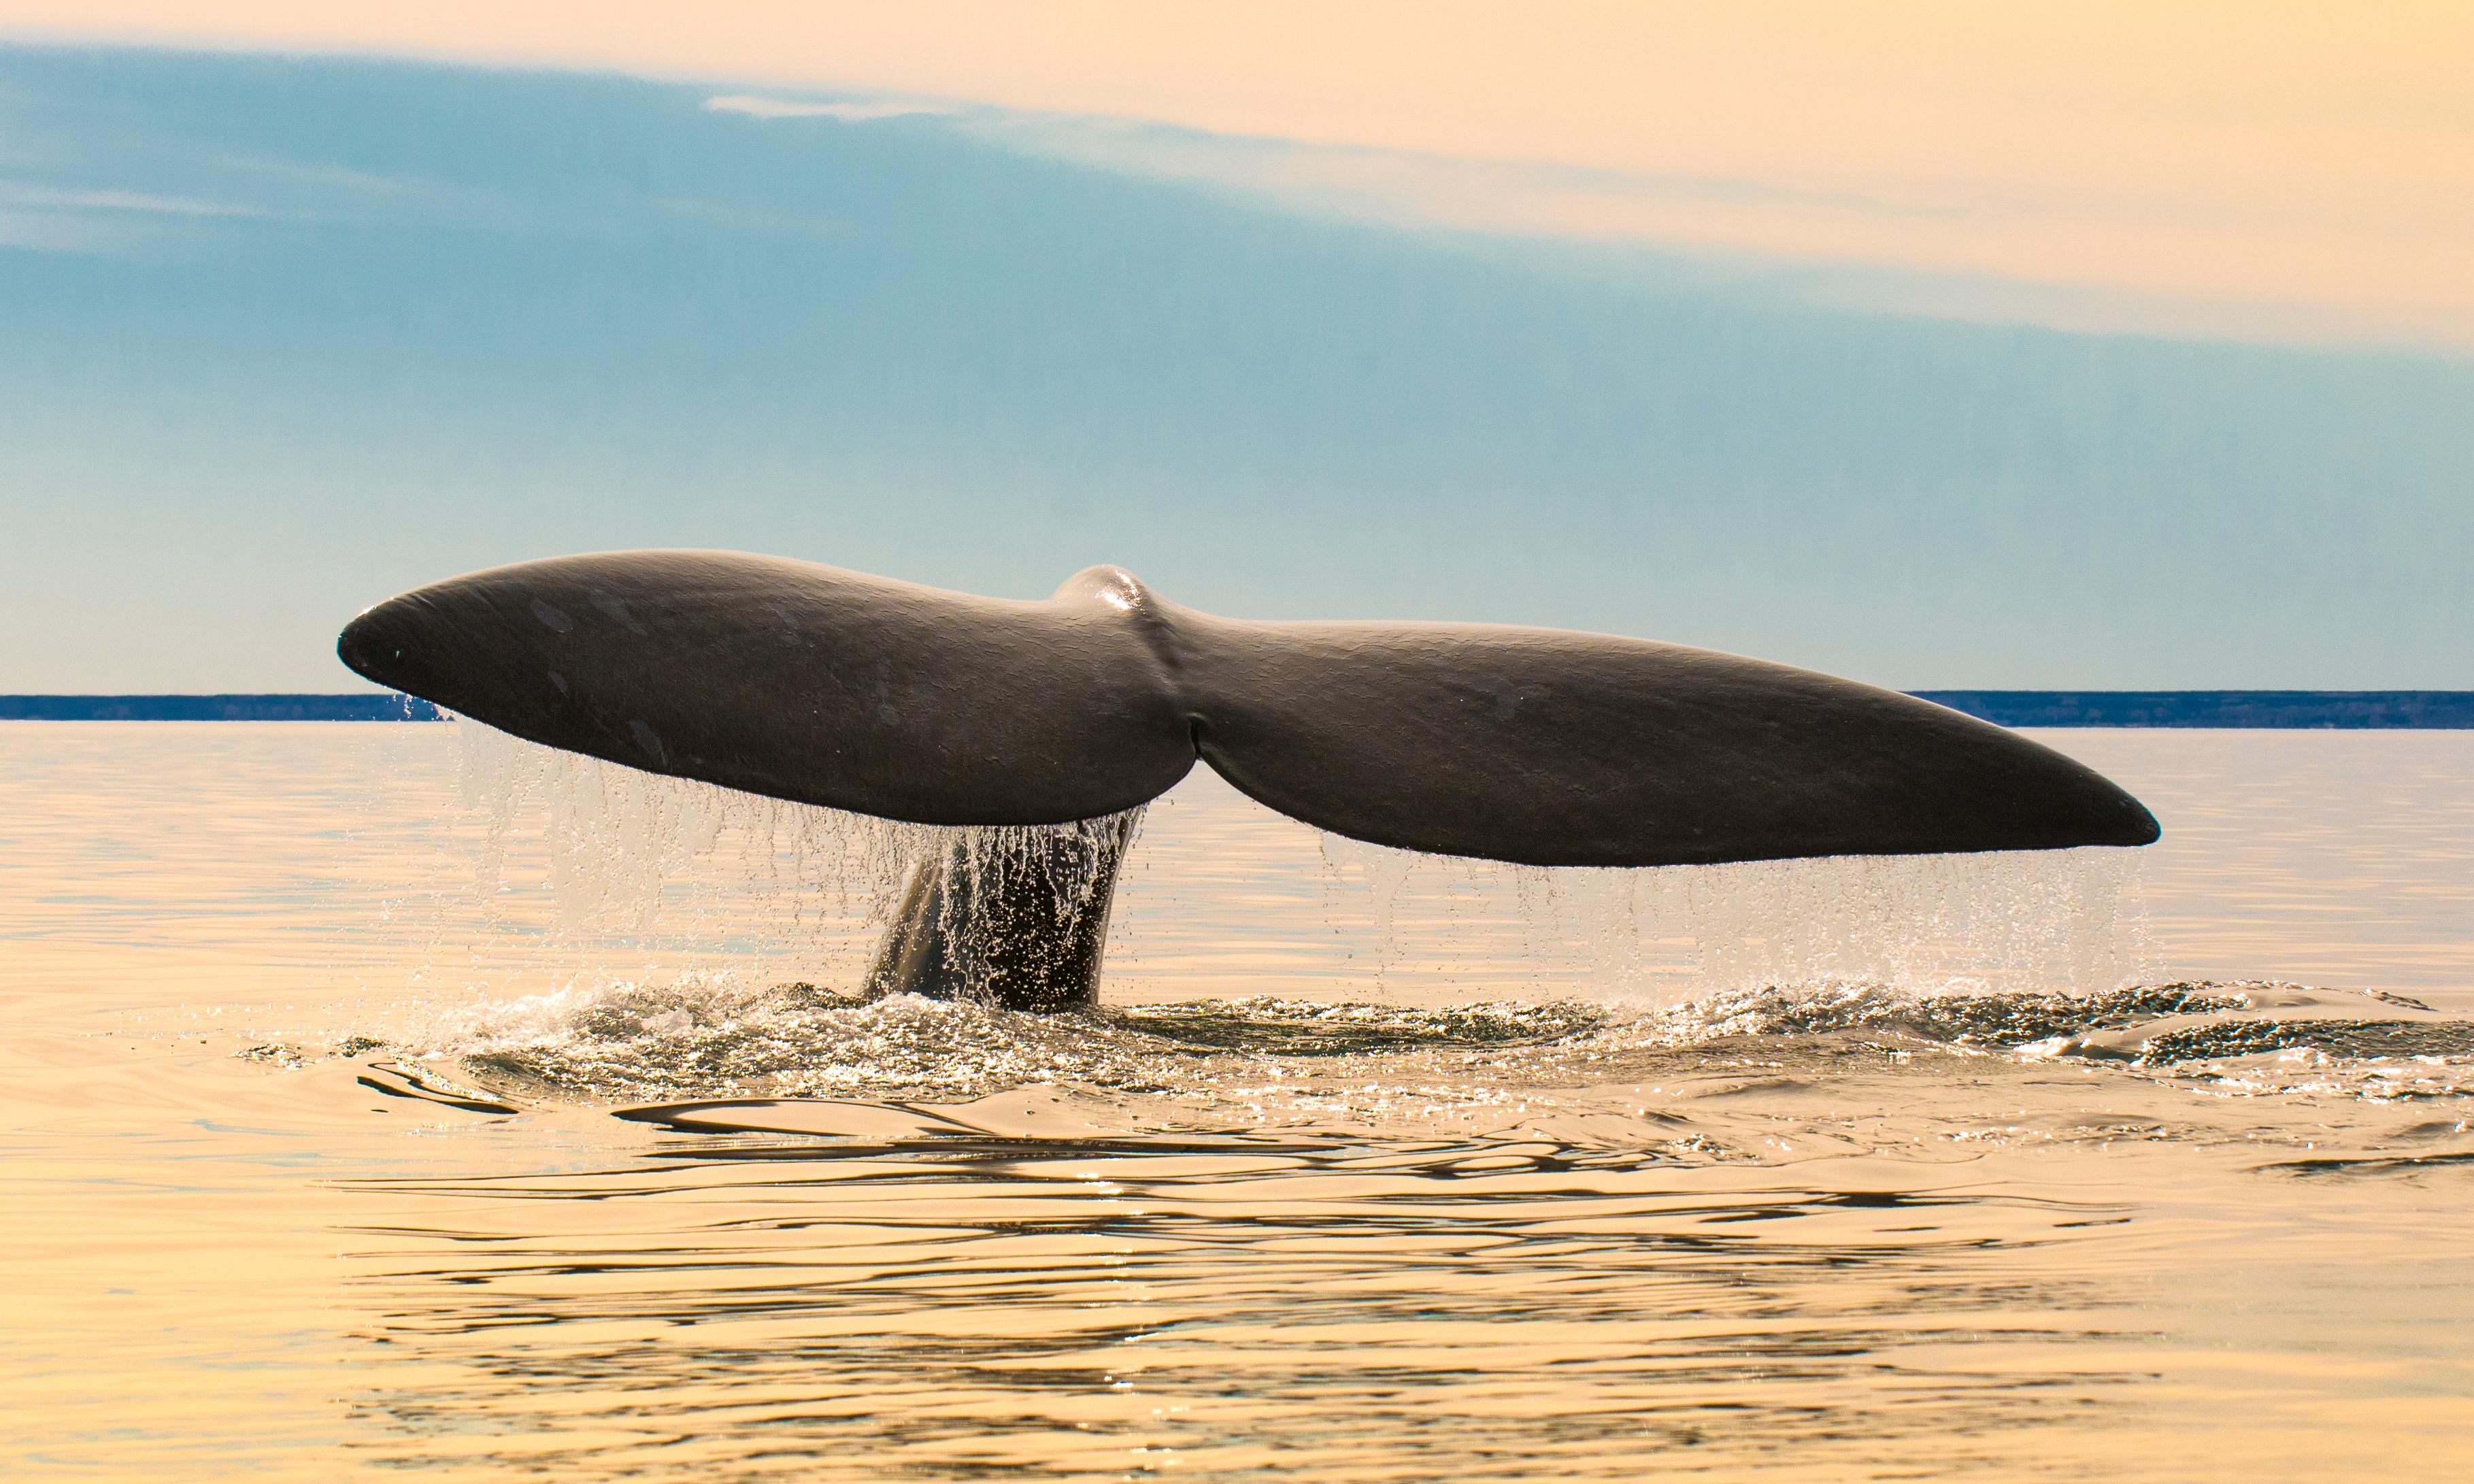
(50, 218)
(28, 196)
(53, 231)
(2107, 260)
(847, 111)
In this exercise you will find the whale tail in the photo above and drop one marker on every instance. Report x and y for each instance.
(1541, 747)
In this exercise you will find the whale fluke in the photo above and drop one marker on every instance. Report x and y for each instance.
(798, 681)
(1541, 746)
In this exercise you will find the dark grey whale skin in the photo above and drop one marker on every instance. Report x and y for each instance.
(1541, 746)
(1536, 746)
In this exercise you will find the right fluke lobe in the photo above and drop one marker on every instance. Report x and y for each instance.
(1555, 748)
(1558, 749)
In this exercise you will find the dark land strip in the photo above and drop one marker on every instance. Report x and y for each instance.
(2346, 709)
(2343, 710)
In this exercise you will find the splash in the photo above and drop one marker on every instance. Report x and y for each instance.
(1254, 1062)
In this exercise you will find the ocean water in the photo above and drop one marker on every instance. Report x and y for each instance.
(406, 1100)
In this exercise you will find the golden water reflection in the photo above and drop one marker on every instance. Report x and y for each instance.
(1370, 1308)
(269, 1217)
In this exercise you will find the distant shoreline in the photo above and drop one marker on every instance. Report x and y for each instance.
(2228, 710)
(2224, 710)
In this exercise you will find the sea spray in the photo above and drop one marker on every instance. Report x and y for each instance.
(601, 874)
(642, 870)
(2043, 921)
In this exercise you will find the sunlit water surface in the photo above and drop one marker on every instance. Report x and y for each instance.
(398, 1099)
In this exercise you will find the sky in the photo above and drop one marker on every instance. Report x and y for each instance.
(1971, 347)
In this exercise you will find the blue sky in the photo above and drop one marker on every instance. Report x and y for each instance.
(281, 337)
